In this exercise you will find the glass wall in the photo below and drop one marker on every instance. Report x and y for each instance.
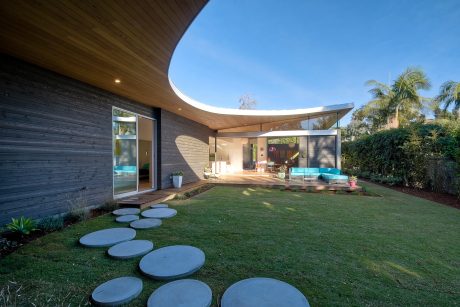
(125, 172)
(250, 154)
(322, 122)
(283, 150)
(146, 169)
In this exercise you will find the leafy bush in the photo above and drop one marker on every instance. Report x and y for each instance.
(23, 226)
(365, 174)
(51, 223)
(178, 173)
(401, 156)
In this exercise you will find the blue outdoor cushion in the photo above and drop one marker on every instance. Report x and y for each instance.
(313, 174)
(311, 170)
(329, 171)
(125, 168)
(330, 177)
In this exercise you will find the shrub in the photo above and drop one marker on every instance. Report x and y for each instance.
(78, 209)
(6, 244)
(51, 223)
(401, 156)
(23, 226)
(391, 180)
(178, 173)
(180, 196)
(109, 206)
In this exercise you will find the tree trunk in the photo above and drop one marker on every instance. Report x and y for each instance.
(396, 125)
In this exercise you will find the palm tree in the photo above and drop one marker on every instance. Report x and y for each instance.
(449, 94)
(377, 111)
(406, 88)
(402, 96)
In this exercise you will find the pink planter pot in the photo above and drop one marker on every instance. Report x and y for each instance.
(352, 184)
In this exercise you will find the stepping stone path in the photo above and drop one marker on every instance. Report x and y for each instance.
(146, 223)
(160, 213)
(130, 249)
(127, 218)
(184, 292)
(126, 211)
(172, 262)
(108, 237)
(157, 206)
(254, 292)
(117, 291)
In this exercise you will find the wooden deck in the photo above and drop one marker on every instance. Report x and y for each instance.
(143, 200)
(253, 179)
(271, 180)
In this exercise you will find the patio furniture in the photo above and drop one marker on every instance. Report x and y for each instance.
(330, 175)
(271, 166)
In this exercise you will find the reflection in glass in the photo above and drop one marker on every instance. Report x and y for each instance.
(124, 151)
(319, 122)
(283, 150)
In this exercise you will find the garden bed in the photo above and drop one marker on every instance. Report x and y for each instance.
(193, 192)
(442, 198)
(10, 241)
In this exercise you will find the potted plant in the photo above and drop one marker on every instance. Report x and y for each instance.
(207, 172)
(282, 171)
(177, 179)
(352, 181)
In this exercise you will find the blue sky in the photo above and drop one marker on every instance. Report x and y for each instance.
(305, 53)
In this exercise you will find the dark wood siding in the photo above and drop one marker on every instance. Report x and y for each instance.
(55, 140)
(184, 147)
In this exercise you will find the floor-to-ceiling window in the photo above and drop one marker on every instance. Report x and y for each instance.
(145, 149)
(283, 150)
(133, 153)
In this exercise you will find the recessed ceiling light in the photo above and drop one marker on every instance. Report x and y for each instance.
(117, 81)
(180, 109)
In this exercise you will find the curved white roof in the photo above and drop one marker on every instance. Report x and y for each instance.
(133, 43)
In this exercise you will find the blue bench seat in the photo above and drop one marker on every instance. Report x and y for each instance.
(330, 175)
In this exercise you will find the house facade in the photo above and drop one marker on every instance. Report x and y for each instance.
(87, 110)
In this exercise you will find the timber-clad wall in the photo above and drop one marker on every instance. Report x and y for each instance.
(55, 140)
(184, 147)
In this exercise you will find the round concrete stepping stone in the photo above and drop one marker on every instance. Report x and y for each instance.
(130, 249)
(146, 223)
(254, 292)
(172, 262)
(117, 291)
(108, 237)
(184, 292)
(127, 218)
(160, 213)
(157, 206)
(126, 211)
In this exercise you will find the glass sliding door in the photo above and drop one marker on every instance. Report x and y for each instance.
(146, 153)
(125, 152)
(250, 154)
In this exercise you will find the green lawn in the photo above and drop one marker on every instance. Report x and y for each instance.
(336, 249)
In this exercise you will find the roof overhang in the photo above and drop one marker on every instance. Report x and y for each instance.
(268, 134)
(99, 41)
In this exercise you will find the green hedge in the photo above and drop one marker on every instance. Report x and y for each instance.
(403, 155)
